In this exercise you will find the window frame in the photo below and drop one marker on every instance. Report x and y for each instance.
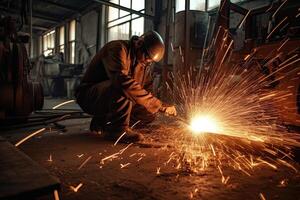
(60, 44)
(71, 42)
(50, 48)
(131, 16)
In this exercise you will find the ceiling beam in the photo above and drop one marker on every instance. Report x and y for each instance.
(107, 3)
(71, 8)
(34, 15)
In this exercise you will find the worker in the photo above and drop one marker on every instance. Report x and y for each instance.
(112, 88)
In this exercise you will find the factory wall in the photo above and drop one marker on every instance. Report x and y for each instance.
(86, 37)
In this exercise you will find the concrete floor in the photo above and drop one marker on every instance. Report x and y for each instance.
(134, 174)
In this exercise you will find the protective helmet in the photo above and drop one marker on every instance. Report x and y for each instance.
(153, 45)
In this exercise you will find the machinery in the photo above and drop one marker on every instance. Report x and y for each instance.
(19, 94)
(270, 36)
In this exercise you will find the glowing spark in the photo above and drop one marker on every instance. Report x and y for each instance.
(276, 27)
(125, 165)
(262, 196)
(115, 155)
(267, 163)
(283, 183)
(226, 180)
(204, 124)
(50, 158)
(75, 189)
(124, 149)
(79, 156)
(84, 162)
(287, 164)
(246, 57)
(158, 170)
(140, 159)
(61, 104)
(243, 21)
(288, 39)
(119, 138)
(191, 195)
(29, 136)
(56, 196)
(135, 123)
(213, 150)
(273, 16)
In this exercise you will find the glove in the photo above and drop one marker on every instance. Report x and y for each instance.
(168, 110)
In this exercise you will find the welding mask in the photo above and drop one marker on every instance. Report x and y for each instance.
(153, 46)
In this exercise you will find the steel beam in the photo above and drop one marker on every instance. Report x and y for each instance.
(71, 8)
(36, 15)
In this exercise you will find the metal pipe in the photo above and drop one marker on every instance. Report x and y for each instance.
(30, 27)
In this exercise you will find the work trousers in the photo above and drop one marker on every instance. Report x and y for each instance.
(110, 107)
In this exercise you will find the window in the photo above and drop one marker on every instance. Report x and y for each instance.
(61, 46)
(197, 5)
(213, 4)
(72, 32)
(122, 24)
(48, 43)
(180, 5)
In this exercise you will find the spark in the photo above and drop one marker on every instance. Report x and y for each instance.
(244, 19)
(84, 162)
(124, 149)
(267, 163)
(115, 155)
(50, 158)
(80, 155)
(287, 164)
(140, 159)
(283, 183)
(135, 123)
(276, 27)
(213, 150)
(158, 170)
(246, 57)
(124, 165)
(273, 16)
(29, 136)
(56, 196)
(203, 124)
(75, 189)
(288, 39)
(132, 155)
(61, 104)
(262, 197)
(119, 138)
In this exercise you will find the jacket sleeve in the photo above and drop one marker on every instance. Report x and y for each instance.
(115, 63)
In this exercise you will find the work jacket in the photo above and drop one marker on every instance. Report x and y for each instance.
(116, 63)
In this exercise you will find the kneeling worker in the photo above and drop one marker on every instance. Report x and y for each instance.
(112, 88)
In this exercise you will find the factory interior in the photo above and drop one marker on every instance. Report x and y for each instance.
(227, 81)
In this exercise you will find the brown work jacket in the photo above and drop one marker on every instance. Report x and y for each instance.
(116, 63)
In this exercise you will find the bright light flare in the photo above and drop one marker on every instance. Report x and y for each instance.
(204, 124)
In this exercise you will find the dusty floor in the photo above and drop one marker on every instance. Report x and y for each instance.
(139, 172)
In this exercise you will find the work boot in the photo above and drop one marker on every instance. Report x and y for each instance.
(129, 135)
(96, 124)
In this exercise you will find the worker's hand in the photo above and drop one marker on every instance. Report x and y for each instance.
(168, 110)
